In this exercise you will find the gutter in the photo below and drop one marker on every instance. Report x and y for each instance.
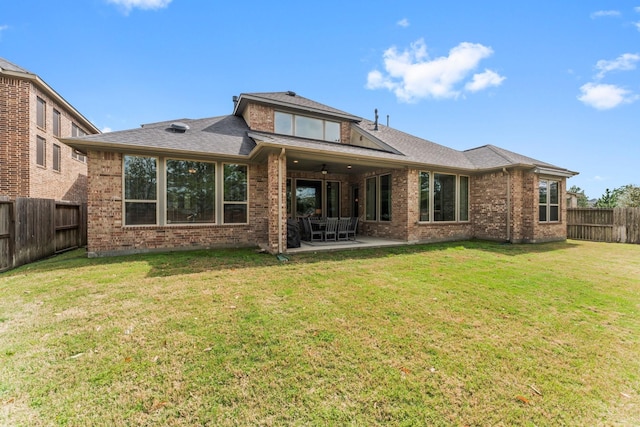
(280, 158)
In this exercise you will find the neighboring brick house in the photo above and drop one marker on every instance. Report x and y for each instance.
(33, 162)
(235, 180)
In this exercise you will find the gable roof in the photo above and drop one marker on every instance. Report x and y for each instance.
(12, 70)
(292, 101)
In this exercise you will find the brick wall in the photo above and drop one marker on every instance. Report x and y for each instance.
(14, 137)
(489, 206)
(108, 236)
(20, 176)
(70, 183)
(261, 118)
(550, 231)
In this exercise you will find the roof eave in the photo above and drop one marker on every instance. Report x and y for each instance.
(243, 98)
(84, 145)
(53, 94)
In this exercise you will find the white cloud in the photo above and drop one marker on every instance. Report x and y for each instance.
(637, 24)
(127, 5)
(624, 62)
(605, 96)
(404, 23)
(484, 80)
(412, 75)
(637, 9)
(106, 129)
(604, 13)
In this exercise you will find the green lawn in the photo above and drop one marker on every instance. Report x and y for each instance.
(466, 334)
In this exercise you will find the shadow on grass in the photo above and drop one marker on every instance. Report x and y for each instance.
(165, 264)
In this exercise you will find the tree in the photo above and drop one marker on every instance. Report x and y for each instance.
(608, 200)
(628, 196)
(583, 201)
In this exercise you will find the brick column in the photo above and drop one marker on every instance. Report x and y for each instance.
(275, 203)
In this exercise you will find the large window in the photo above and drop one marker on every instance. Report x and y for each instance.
(307, 127)
(41, 115)
(196, 192)
(443, 197)
(41, 151)
(140, 190)
(190, 191)
(549, 201)
(378, 198)
(235, 194)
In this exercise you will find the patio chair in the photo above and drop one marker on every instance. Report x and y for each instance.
(343, 229)
(315, 234)
(331, 231)
(353, 227)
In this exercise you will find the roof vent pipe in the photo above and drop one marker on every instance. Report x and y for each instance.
(387, 120)
(235, 101)
(375, 125)
(291, 93)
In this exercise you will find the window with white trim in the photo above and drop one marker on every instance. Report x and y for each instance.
(549, 200)
(443, 197)
(306, 127)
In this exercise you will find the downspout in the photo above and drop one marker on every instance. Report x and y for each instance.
(508, 204)
(280, 157)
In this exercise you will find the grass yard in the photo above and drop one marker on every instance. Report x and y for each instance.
(463, 334)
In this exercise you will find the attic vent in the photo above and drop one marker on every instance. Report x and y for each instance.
(178, 127)
(291, 93)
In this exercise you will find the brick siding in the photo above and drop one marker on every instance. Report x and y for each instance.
(20, 176)
(107, 234)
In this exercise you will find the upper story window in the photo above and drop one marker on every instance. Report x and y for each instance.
(41, 151)
(56, 158)
(41, 116)
(76, 131)
(549, 201)
(56, 122)
(307, 127)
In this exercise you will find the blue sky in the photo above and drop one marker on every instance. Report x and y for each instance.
(555, 80)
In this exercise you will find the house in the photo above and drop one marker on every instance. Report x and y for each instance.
(234, 180)
(33, 162)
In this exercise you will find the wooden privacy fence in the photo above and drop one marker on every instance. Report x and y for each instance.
(31, 229)
(616, 225)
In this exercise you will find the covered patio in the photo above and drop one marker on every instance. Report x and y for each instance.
(361, 242)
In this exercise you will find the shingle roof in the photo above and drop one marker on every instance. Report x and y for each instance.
(295, 101)
(224, 135)
(230, 136)
(417, 149)
(490, 156)
(10, 66)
